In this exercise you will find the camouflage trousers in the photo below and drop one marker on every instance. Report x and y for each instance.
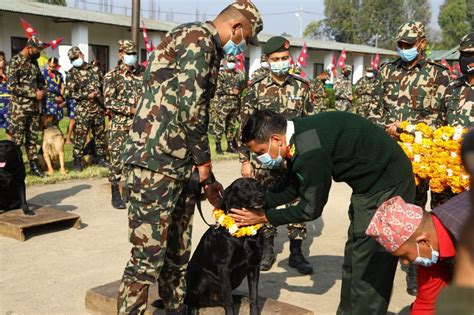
(160, 219)
(25, 123)
(93, 122)
(117, 137)
(367, 107)
(224, 117)
(343, 105)
(269, 178)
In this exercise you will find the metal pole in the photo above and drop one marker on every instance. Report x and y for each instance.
(136, 23)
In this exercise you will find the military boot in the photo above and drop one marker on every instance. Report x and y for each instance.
(219, 148)
(412, 282)
(297, 259)
(77, 167)
(230, 147)
(35, 169)
(102, 161)
(268, 257)
(117, 201)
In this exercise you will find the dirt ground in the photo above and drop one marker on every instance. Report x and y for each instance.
(51, 271)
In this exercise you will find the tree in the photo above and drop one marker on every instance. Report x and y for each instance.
(56, 2)
(455, 21)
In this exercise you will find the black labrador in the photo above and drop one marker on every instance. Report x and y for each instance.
(12, 178)
(221, 261)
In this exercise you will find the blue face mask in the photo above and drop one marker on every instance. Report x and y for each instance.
(78, 62)
(426, 262)
(231, 65)
(231, 48)
(408, 55)
(266, 159)
(280, 68)
(130, 60)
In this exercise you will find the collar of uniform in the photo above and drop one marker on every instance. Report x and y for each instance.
(125, 69)
(402, 64)
(462, 81)
(213, 30)
(288, 80)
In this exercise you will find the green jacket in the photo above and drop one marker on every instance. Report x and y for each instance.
(335, 146)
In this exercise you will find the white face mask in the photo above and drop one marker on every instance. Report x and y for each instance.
(265, 65)
(130, 60)
(369, 74)
(78, 62)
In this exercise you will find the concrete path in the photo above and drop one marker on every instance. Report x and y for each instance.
(51, 271)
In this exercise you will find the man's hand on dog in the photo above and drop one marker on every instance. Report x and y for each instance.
(214, 193)
(244, 217)
(247, 170)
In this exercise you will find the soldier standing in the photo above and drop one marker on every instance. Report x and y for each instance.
(318, 90)
(411, 89)
(343, 90)
(122, 90)
(27, 86)
(5, 95)
(168, 138)
(225, 104)
(365, 93)
(290, 96)
(84, 85)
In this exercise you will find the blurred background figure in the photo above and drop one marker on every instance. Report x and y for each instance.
(54, 101)
(4, 95)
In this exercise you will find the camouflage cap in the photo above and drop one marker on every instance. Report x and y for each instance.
(410, 32)
(276, 44)
(34, 41)
(127, 46)
(250, 11)
(467, 43)
(263, 58)
(369, 69)
(73, 53)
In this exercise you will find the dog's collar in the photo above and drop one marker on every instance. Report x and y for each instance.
(224, 220)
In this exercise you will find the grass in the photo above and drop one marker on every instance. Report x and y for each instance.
(91, 171)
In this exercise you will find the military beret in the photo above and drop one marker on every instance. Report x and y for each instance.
(34, 41)
(467, 43)
(127, 46)
(73, 53)
(276, 44)
(250, 11)
(410, 32)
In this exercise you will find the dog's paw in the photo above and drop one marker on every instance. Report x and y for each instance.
(63, 172)
(50, 172)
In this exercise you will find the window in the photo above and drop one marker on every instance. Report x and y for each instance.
(100, 54)
(317, 69)
(18, 43)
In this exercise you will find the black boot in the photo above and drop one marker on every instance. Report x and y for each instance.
(182, 310)
(102, 161)
(117, 201)
(77, 167)
(268, 257)
(219, 148)
(230, 147)
(297, 259)
(35, 169)
(412, 282)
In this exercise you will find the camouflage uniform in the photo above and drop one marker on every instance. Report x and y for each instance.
(259, 73)
(80, 82)
(366, 104)
(225, 105)
(167, 138)
(24, 79)
(291, 99)
(319, 94)
(343, 93)
(122, 90)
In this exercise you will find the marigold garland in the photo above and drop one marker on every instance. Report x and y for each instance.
(435, 155)
(229, 224)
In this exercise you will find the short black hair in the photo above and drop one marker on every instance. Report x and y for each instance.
(261, 125)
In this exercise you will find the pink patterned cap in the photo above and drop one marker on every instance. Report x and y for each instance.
(394, 223)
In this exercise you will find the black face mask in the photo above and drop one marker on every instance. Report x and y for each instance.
(466, 64)
(35, 56)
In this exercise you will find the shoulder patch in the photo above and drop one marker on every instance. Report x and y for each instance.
(297, 77)
(435, 63)
(257, 80)
(307, 141)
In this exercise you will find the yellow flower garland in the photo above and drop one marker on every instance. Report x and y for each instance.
(435, 155)
(229, 224)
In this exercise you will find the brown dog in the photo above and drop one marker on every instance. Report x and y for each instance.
(53, 143)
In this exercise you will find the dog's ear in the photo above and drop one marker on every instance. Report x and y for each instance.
(226, 200)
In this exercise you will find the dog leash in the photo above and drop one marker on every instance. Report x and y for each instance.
(196, 188)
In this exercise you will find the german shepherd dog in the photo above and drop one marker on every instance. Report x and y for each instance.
(12, 178)
(221, 261)
(53, 143)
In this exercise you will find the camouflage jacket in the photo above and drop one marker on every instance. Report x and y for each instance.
(458, 104)
(226, 82)
(122, 90)
(319, 94)
(80, 82)
(169, 130)
(343, 88)
(291, 99)
(365, 93)
(411, 94)
(24, 79)
(259, 73)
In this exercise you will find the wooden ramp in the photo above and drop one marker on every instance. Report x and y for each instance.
(14, 223)
(103, 300)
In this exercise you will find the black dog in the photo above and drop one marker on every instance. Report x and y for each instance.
(12, 178)
(221, 261)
